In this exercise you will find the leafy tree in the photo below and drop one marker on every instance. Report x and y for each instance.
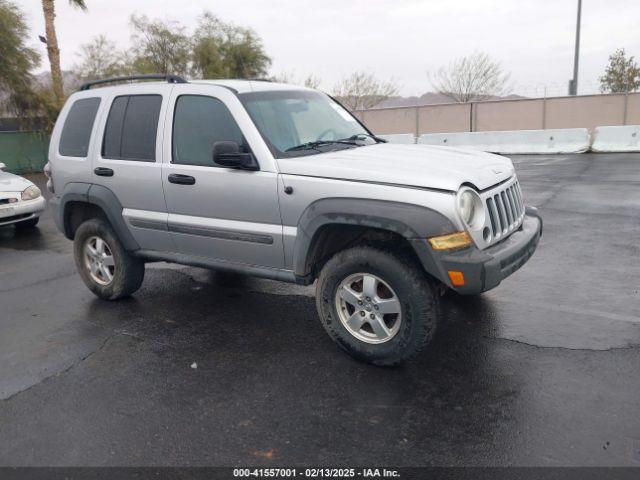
(224, 50)
(17, 61)
(159, 47)
(53, 51)
(100, 58)
(621, 75)
(475, 77)
(362, 90)
(215, 50)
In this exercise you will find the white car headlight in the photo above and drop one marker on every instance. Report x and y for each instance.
(31, 193)
(470, 207)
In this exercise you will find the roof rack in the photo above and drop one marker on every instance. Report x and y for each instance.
(153, 76)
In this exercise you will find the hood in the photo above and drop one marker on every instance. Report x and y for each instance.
(12, 183)
(427, 166)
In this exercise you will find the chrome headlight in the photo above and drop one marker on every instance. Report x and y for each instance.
(31, 193)
(470, 208)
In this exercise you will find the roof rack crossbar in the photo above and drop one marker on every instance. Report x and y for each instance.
(153, 76)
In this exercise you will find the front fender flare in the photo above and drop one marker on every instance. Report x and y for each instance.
(412, 222)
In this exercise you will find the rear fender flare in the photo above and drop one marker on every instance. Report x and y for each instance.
(103, 198)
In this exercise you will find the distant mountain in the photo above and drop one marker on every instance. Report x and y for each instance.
(70, 81)
(429, 98)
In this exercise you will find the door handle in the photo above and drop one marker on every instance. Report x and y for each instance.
(181, 179)
(103, 171)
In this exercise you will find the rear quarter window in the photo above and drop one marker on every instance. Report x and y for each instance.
(76, 132)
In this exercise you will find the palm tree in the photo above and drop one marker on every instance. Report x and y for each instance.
(48, 8)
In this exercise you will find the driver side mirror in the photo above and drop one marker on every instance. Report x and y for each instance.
(2, 166)
(228, 154)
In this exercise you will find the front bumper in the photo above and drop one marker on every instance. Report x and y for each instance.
(485, 269)
(20, 211)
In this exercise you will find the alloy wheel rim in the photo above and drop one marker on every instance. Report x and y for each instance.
(368, 308)
(98, 260)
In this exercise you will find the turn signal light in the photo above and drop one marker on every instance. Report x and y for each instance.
(450, 241)
(457, 278)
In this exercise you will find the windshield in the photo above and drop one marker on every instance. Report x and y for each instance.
(301, 122)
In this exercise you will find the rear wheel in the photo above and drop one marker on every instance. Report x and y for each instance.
(106, 268)
(378, 306)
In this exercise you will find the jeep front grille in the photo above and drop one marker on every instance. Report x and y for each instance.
(506, 210)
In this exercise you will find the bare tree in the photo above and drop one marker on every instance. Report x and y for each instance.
(362, 90)
(475, 77)
(99, 58)
(310, 81)
(283, 77)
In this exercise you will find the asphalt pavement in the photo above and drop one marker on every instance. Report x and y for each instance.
(544, 370)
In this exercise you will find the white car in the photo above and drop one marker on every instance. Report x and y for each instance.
(21, 202)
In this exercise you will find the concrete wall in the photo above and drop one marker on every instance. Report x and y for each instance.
(587, 111)
(392, 120)
(497, 116)
(616, 139)
(566, 140)
(633, 110)
(455, 117)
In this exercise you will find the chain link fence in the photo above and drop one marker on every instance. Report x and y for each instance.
(23, 152)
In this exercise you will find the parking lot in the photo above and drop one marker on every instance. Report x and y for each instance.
(543, 370)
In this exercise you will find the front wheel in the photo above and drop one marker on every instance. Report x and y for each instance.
(379, 307)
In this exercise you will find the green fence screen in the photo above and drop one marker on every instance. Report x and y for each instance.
(24, 152)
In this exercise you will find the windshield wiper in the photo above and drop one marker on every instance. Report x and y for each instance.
(319, 143)
(357, 136)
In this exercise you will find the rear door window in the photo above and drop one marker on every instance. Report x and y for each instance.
(76, 132)
(132, 128)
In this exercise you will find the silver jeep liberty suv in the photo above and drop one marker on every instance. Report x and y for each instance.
(282, 182)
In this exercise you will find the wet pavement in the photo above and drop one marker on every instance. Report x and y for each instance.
(543, 370)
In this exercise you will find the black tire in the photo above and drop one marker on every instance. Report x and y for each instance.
(128, 271)
(416, 293)
(27, 224)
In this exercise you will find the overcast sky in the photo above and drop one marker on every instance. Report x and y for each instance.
(403, 39)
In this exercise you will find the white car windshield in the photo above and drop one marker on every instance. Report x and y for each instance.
(303, 122)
